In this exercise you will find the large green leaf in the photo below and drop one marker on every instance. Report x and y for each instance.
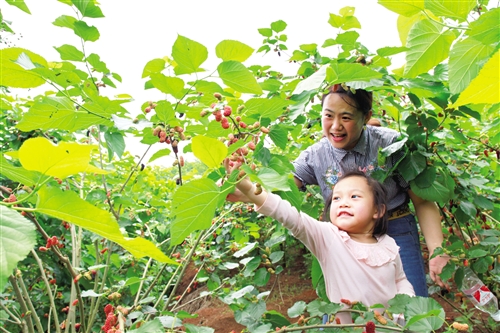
(412, 165)
(69, 52)
(273, 181)
(18, 237)
(266, 108)
(424, 314)
(153, 66)
(235, 75)
(188, 55)
(86, 32)
(88, 8)
(485, 88)
(405, 24)
(279, 135)
(194, 207)
(22, 6)
(436, 192)
(466, 59)
(427, 47)
(68, 206)
(343, 72)
(209, 150)
(53, 112)
(456, 10)
(13, 74)
(40, 154)
(486, 28)
(65, 21)
(233, 50)
(168, 85)
(20, 174)
(313, 82)
(115, 143)
(403, 7)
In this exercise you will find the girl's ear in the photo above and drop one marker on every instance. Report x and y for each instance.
(377, 214)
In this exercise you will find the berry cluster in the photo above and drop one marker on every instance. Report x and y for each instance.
(111, 323)
(150, 107)
(52, 241)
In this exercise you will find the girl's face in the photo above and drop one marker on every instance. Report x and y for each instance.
(353, 209)
(342, 123)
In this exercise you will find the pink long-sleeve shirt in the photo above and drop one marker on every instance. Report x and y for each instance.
(371, 273)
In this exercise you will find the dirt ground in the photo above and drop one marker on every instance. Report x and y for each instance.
(286, 289)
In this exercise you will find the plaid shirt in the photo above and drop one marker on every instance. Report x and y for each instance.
(322, 164)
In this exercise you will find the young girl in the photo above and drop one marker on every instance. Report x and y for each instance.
(359, 261)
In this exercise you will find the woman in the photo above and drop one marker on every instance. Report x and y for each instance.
(348, 144)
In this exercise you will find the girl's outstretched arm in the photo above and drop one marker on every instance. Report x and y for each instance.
(248, 190)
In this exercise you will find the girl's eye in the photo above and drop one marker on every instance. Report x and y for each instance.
(335, 198)
(354, 196)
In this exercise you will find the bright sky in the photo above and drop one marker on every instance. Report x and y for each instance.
(134, 32)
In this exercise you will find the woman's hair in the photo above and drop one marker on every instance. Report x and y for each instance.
(379, 200)
(361, 98)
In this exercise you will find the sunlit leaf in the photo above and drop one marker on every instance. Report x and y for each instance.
(405, 23)
(153, 66)
(456, 10)
(273, 181)
(86, 32)
(209, 150)
(69, 52)
(427, 46)
(485, 88)
(65, 21)
(486, 28)
(62, 160)
(115, 143)
(313, 82)
(233, 50)
(18, 237)
(88, 8)
(194, 206)
(20, 174)
(466, 59)
(22, 6)
(13, 74)
(403, 7)
(160, 153)
(168, 85)
(188, 55)
(278, 26)
(68, 206)
(235, 75)
(266, 107)
(351, 72)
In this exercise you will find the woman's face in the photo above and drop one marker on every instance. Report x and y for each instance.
(342, 123)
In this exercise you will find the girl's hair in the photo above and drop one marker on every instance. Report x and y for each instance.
(361, 98)
(379, 200)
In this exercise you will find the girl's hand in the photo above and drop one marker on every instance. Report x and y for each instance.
(245, 191)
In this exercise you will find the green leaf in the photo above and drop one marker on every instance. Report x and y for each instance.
(279, 136)
(486, 28)
(427, 47)
(86, 32)
(388, 51)
(168, 85)
(426, 177)
(241, 252)
(424, 314)
(96, 63)
(194, 206)
(266, 108)
(412, 165)
(466, 59)
(209, 150)
(261, 277)
(18, 237)
(153, 66)
(235, 75)
(272, 180)
(436, 192)
(164, 111)
(266, 32)
(59, 113)
(196, 329)
(351, 72)
(62, 160)
(278, 26)
(188, 55)
(456, 10)
(116, 144)
(468, 208)
(13, 74)
(276, 319)
(480, 202)
(22, 6)
(487, 80)
(20, 174)
(153, 326)
(313, 82)
(403, 7)
(68, 206)
(233, 50)
(69, 52)
(297, 309)
(88, 8)
(276, 256)
(65, 21)
(160, 153)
